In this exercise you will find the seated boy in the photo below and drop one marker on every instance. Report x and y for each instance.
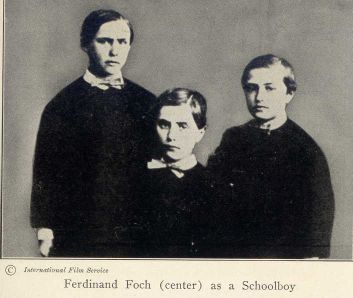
(172, 196)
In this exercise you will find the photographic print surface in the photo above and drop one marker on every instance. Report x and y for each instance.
(199, 45)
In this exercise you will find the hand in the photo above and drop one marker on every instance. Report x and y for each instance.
(45, 237)
(45, 246)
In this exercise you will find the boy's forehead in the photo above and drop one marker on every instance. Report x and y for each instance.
(114, 28)
(272, 74)
(182, 113)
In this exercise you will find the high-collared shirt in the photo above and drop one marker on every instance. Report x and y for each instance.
(114, 81)
(270, 125)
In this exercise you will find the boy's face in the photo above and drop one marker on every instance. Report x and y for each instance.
(177, 132)
(265, 92)
(109, 49)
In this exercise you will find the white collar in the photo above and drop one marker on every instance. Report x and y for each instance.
(177, 168)
(103, 83)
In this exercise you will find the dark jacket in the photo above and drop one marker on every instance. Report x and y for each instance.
(173, 213)
(91, 146)
(275, 198)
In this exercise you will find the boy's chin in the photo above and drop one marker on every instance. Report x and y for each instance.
(172, 157)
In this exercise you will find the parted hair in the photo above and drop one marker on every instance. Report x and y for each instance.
(266, 61)
(180, 96)
(95, 20)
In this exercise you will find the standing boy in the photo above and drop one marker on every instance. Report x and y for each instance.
(272, 178)
(91, 145)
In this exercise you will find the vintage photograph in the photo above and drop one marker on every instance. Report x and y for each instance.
(177, 129)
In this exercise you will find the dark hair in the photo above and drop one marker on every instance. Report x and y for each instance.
(95, 20)
(266, 61)
(180, 96)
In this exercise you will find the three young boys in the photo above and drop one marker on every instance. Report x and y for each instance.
(96, 193)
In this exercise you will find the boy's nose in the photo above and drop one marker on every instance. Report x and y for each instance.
(259, 96)
(171, 134)
(114, 50)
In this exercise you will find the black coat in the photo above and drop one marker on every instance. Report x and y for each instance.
(91, 147)
(173, 213)
(275, 198)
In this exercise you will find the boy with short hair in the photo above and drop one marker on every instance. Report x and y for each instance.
(91, 145)
(272, 178)
(173, 189)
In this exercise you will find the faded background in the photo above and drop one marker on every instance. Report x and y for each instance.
(201, 44)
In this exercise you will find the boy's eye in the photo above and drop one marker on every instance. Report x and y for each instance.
(183, 125)
(269, 88)
(103, 40)
(163, 124)
(250, 87)
(122, 41)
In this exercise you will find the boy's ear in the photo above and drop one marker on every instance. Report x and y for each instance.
(289, 97)
(87, 48)
(200, 134)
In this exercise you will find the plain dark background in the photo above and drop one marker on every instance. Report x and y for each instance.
(202, 44)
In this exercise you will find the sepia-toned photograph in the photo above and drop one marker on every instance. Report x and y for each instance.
(177, 129)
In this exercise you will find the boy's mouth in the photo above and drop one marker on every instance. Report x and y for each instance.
(171, 147)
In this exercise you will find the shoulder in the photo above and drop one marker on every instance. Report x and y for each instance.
(67, 96)
(137, 90)
(197, 178)
(308, 152)
(198, 170)
(236, 134)
(76, 88)
(240, 129)
(302, 139)
(232, 138)
(141, 99)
